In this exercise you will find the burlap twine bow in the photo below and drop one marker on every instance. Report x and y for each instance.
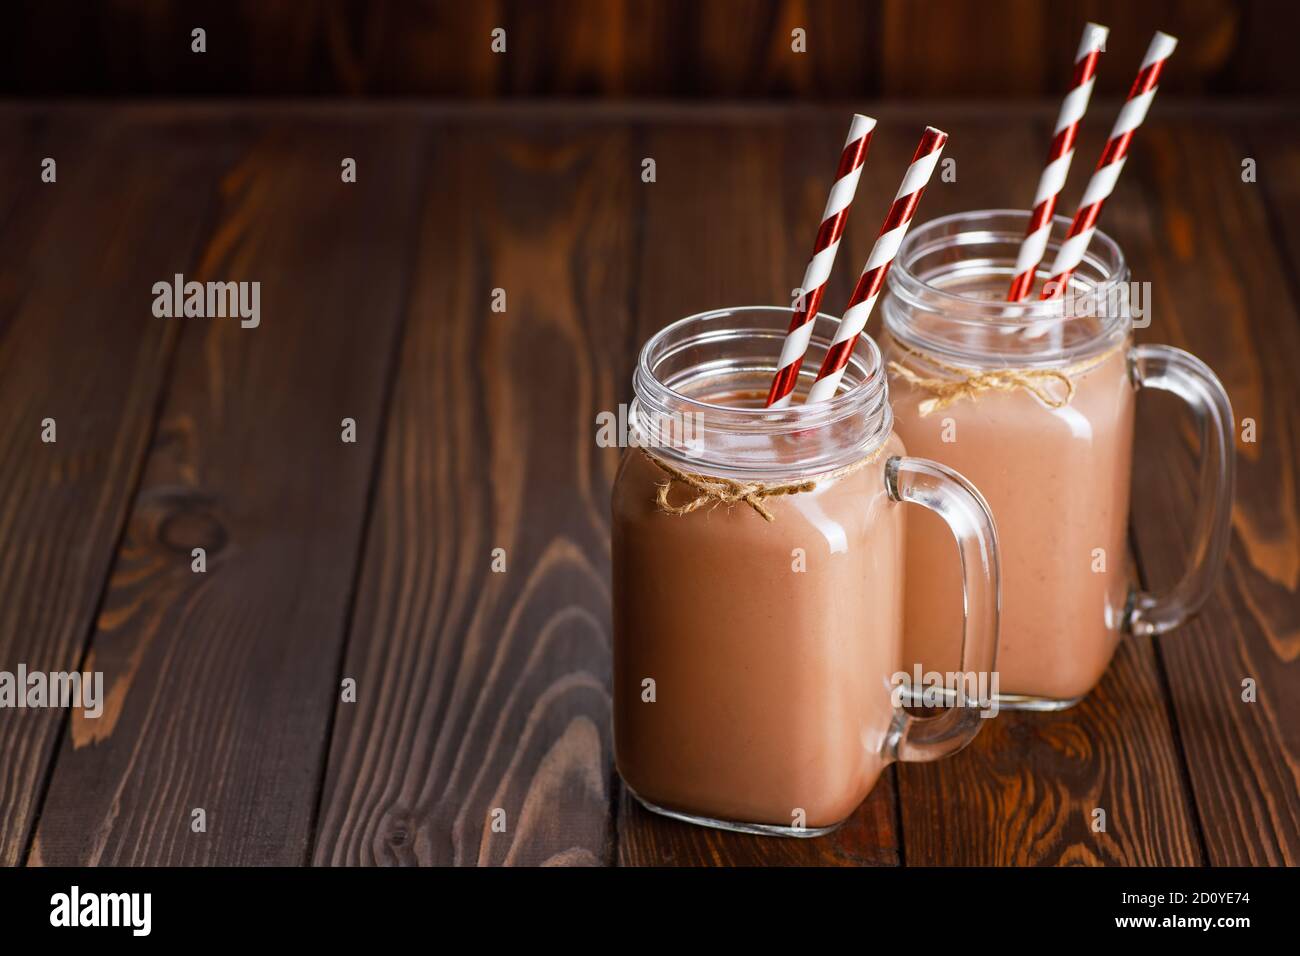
(970, 382)
(712, 490)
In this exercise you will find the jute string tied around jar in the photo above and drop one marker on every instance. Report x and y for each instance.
(971, 382)
(713, 490)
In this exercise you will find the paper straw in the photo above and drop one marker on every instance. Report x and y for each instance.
(1110, 165)
(882, 256)
(1059, 156)
(818, 272)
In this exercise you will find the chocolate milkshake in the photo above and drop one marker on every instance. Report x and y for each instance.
(1057, 481)
(758, 585)
(771, 646)
(1034, 402)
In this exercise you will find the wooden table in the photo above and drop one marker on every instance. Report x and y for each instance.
(475, 430)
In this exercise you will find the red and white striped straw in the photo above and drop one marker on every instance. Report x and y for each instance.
(1059, 156)
(818, 272)
(1110, 165)
(882, 256)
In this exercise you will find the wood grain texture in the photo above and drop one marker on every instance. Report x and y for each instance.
(77, 345)
(1008, 48)
(643, 48)
(1275, 144)
(1024, 791)
(1222, 291)
(479, 691)
(220, 684)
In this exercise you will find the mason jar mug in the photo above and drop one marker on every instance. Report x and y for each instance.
(1034, 403)
(758, 561)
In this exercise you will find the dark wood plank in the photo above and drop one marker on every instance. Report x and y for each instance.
(77, 344)
(1274, 143)
(1015, 48)
(677, 48)
(482, 691)
(1003, 68)
(220, 685)
(1222, 292)
(1024, 792)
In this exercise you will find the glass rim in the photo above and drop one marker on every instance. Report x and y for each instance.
(735, 441)
(847, 401)
(1104, 257)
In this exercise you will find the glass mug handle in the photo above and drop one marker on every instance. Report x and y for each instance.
(955, 500)
(1173, 370)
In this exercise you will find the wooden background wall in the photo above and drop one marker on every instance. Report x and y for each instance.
(633, 48)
